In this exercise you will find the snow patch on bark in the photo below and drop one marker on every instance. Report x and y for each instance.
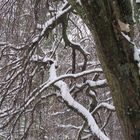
(137, 56)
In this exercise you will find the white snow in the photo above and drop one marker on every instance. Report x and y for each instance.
(57, 113)
(127, 37)
(96, 83)
(40, 26)
(48, 23)
(69, 126)
(92, 93)
(46, 137)
(3, 43)
(45, 59)
(38, 58)
(35, 39)
(137, 1)
(79, 47)
(104, 105)
(136, 50)
(74, 104)
(79, 1)
(137, 56)
(4, 112)
(53, 80)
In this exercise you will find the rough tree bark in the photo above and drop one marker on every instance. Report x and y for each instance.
(116, 54)
(136, 7)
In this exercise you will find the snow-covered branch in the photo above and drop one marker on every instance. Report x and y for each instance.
(50, 24)
(68, 126)
(104, 105)
(75, 105)
(97, 84)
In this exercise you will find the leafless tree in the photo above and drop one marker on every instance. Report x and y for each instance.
(52, 84)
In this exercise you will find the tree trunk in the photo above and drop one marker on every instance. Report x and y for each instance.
(116, 55)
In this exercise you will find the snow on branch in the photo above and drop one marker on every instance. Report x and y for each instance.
(79, 1)
(77, 75)
(104, 105)
(127, 37)
(96, 84)
(37, 91)
(137, 1)
(52, 20)
(40, 59)
(137, 56)
(51, 82)
(69, 126)
(65, 93)
(16, 113)
(3, 43)
(50, 24)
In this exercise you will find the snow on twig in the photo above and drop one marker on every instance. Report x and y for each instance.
(47, 84)
(104, 105)
(69, 126)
